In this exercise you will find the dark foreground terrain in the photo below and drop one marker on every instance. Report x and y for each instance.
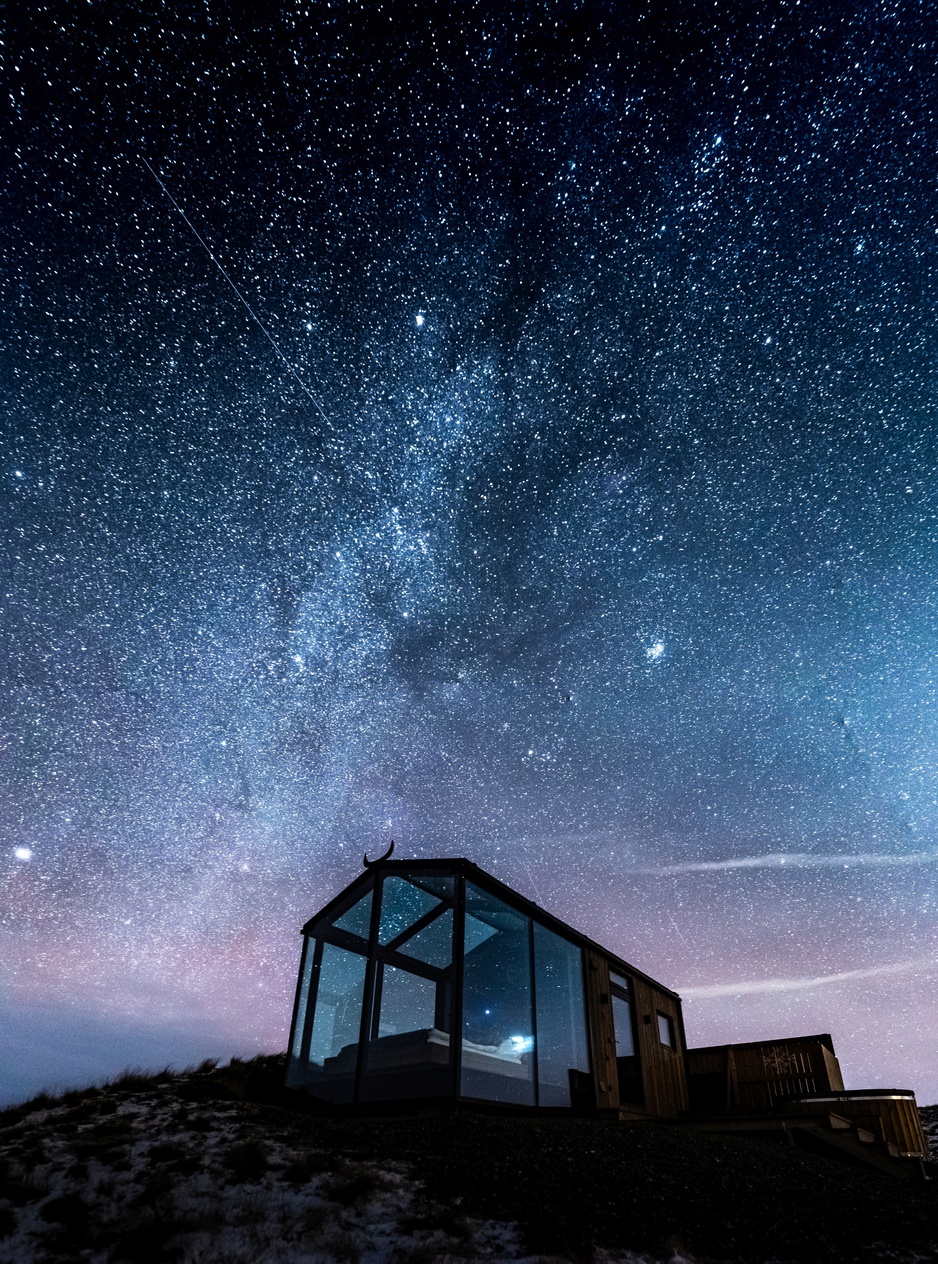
(222, 1165)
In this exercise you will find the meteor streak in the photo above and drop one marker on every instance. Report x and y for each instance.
(253, 314)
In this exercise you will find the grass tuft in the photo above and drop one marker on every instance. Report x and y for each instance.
(246, 1161)
(353, 1183)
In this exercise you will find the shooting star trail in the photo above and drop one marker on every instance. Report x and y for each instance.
(252, 313)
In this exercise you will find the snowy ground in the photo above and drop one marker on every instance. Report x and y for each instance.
(137, 1175)
(142, 1177)
(149, 1171)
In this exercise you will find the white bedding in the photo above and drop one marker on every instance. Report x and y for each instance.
(413, 1049)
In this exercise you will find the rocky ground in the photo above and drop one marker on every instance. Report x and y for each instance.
(223, 1166)
(930, 1124)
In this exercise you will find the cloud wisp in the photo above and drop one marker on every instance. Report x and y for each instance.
(756, 986)
(792, 860)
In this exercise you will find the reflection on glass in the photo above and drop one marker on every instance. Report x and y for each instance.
(561, 1016)
(433, 944)
(333, 1045)
(477, 932)
(439, 884)
(357, 919)
(666, 1030)
(306, 969)
(402, 903)
(409, 1052)
(498, 1025)
(407, 1003)
(622, 1021)
(629, 1072)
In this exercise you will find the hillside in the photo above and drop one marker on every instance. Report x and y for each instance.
(222, 1166)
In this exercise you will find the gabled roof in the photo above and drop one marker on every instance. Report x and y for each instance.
(460, 865)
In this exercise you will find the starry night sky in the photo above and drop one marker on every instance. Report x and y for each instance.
(583, 521)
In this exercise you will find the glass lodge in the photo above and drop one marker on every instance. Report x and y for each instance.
(432, 980)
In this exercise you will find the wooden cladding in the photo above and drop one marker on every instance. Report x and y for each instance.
(602, 1032)
(754, 1077)
(891, 1115)
(664, 1075)
(659, 1068)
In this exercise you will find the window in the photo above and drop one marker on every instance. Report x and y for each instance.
(333, 1044)
(434, 944)
(302, 1005)
(498, 1023)
(560, 1011)
(357, 919)
(408, 1051)
(666, 1031)
(628, 1066)
(402, 904)
(622, 1022)
(407, 1003)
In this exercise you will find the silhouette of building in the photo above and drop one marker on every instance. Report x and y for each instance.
(432, 982)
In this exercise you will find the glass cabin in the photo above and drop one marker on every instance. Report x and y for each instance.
(432, 980)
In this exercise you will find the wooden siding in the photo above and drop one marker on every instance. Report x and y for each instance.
(754, 1077)
(834, 1077)
(602, 1034)
(664, 1075)
(891, 1115)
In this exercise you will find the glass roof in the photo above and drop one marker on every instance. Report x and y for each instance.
(434, 944)
(402, 904)
(357, 919)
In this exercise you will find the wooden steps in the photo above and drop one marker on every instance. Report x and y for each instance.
(825, 1132)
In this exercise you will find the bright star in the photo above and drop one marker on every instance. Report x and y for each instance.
(22, 853)
(654, 652)
(419, 319)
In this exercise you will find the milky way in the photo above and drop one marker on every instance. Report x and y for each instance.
(584, 520)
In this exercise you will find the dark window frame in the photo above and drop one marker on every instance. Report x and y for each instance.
(459, 873)
(672, 1031)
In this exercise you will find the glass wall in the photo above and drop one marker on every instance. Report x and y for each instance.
(402, 985)
(560, 1008)
(498, 1018)
(382, 969)
(408, 1052)
(407, 1003)
(333, 1042)
(302, 999)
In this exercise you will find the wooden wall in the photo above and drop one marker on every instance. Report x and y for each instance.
(602, 1034)
(832, 1066)
(664, 1073)
(890, 1116)
(755, 1076)
(664, 1078)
